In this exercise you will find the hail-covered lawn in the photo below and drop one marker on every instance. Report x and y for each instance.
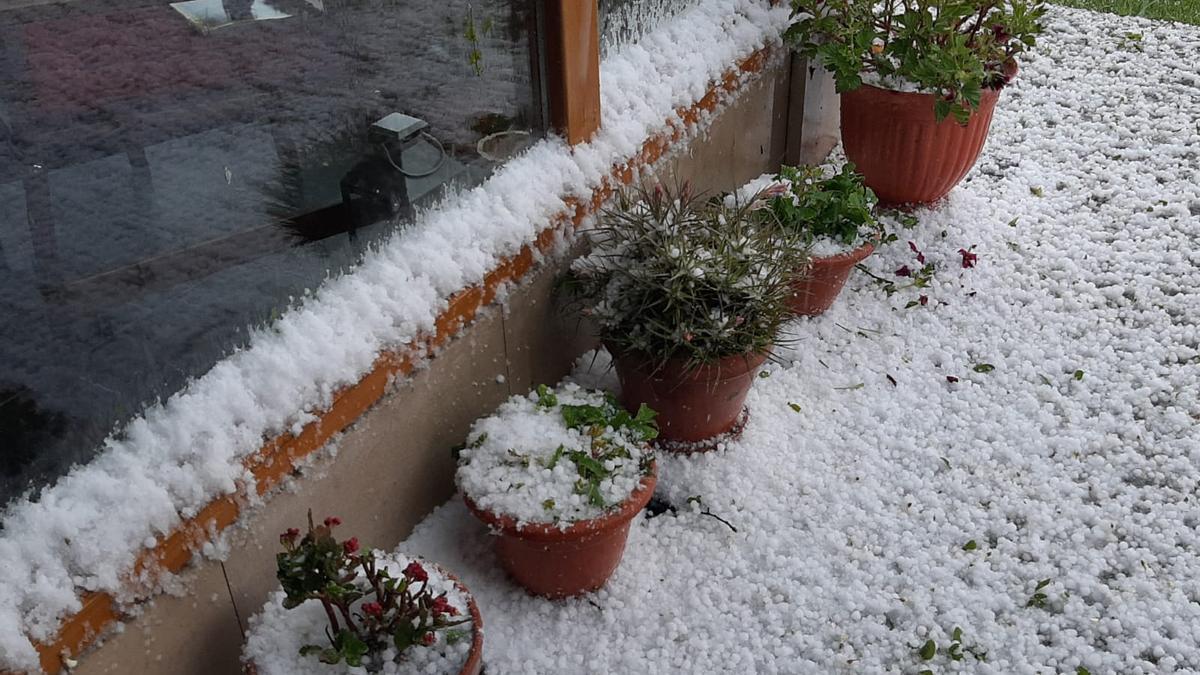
(1013, 464)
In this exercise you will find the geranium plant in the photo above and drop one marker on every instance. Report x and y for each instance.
(675, 276)
(370, 611)
(837, 208)
(953, 49)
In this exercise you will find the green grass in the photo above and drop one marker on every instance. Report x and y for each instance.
(1187, 11)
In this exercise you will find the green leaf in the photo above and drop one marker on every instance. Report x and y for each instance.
(579, 416)
(548, 505)
(969, 546)
(1037, 191)
(928, 650)
(1013, 222)
(984, 368)
(764, 374)
(794, 406)
(546, 397)
(1082, 671)
(1079, 375)
(957, 634)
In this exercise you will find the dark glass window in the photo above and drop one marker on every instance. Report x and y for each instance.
(171, 173)
(625, 21)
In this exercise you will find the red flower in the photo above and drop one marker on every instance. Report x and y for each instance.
(428, 639)
(968, 258)
(350, 546)
(415, 572)
(904, 271)
(442, 606)
(924, 300)
(333, 521)
(289, 537)
(373, 608)
(920, 256)
(951, 379)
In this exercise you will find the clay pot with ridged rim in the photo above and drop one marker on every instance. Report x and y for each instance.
(904, 154)
(815, 289)
(693, 405)
(556, 562)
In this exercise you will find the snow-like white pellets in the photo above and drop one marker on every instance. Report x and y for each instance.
(1018, 458)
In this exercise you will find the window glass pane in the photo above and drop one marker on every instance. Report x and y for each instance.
(171, 173)
(625, 21)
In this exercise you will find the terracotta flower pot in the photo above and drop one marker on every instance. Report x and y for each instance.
(818, 286)
(474, 664)
(691, 405)
(562, 563)
(903, 153)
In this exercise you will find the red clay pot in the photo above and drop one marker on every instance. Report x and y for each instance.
(903, 153)
(691, 405)
(474, 664)
(818, 286)
(557, 563)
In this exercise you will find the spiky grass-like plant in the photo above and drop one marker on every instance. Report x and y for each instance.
(677, 276)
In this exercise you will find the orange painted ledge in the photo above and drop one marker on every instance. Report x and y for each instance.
(279, 456)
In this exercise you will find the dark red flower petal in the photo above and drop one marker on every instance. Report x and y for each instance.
(415, 572)
(903, 271)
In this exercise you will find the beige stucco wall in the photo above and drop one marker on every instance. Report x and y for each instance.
(394, 465)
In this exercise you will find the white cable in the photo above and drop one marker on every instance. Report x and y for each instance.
(413, 174)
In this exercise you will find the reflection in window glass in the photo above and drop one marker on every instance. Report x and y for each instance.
(171, 173)
(625, 21)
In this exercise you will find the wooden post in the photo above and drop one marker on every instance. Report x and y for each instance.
(572, 42)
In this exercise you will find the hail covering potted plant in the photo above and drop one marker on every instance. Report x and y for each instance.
(835, 215)
(919, 80)
(342, 609)
(558, 475)
(689, 294)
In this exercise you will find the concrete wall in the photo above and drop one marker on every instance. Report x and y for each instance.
(395, 465)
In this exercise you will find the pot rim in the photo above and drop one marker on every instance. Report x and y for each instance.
(724, 367)
(856, 255)
(551, 532)
(475, 656)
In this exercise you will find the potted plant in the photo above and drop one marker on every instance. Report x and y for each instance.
(346, 610)
(835, 215)
(903, 67)
(689, 294)
(559, 475)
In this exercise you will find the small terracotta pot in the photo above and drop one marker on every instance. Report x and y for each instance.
(692, 405)
(903, 153)
(474, 664)
(558, 563)
(819, 284)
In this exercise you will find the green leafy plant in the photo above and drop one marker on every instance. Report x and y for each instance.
(369, 611)
(473, 32)
(677, 276)
(597, 422)
(817, 206)
(953, 49)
